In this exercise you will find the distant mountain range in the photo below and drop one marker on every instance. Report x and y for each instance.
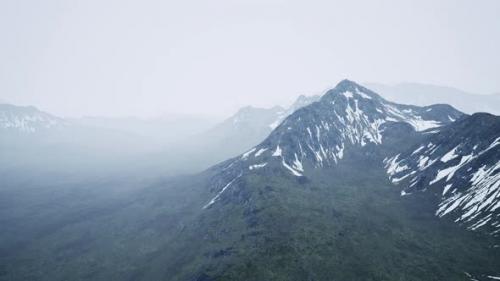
(350, 186)
(243, 130)
(168, 146)
(425, 94)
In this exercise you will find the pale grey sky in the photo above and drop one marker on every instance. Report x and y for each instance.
(145, 58)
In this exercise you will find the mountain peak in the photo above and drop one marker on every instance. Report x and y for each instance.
(346, 118)
(346, 83)
(348, 89)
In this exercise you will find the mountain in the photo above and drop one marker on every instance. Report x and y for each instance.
(300, 102)
(319, 177)
(457, 160)
(170, 145)
(460, 163)
(321, 198)
(424, 94)
(246, 128)
(33, 142)
(347, 116)
(251, 125)
(27, 119)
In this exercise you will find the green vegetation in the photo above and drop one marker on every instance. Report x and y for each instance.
(342, 223)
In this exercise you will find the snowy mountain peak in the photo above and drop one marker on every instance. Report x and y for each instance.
(434, 149)
(319, 134)
(350, 89)
(349, 115)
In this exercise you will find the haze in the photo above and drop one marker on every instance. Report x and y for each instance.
(149, 58)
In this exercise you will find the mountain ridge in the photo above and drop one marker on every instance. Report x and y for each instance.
(297, 148)
(462, 161)
(354, 128)
(424, 94)
(315, 200)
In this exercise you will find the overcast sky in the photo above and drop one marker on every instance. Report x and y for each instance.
(145, 58)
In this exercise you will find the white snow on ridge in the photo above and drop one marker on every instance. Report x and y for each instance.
(493, 144)
(450, 155)
(363, 95)
(450, 171)
(424, 162)
(277, 152)
(479, 200)
(473, 203)
(422, 125)
(246, 154)
(410, 117)
(347, 94)
(294, 172)
(393, 167)
(259, 152)
(418, 149)
(257, 166)
(355, 127)
(446, 188)
(297, 165)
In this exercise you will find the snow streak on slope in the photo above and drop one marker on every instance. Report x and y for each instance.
(465, 164)
(220, 192)
(318, 135)
(347, 116)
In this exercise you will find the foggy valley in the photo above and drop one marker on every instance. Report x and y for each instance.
(249, 140)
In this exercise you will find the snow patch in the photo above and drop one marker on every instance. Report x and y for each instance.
(220, 192)
(347, 94)
(257, 166)
(450, 155)
(258, 153)
(277, 152)
(294, 172)
(246, 154)
(363, 95)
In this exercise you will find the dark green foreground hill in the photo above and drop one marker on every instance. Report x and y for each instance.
(338, 226)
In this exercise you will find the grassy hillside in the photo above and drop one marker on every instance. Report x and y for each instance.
(349, 223)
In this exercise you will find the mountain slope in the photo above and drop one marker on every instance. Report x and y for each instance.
(248, 127)
(347, 116)
(353, 120)
(462, 164)
(351, 116)
(251, 125)
(311, 202)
